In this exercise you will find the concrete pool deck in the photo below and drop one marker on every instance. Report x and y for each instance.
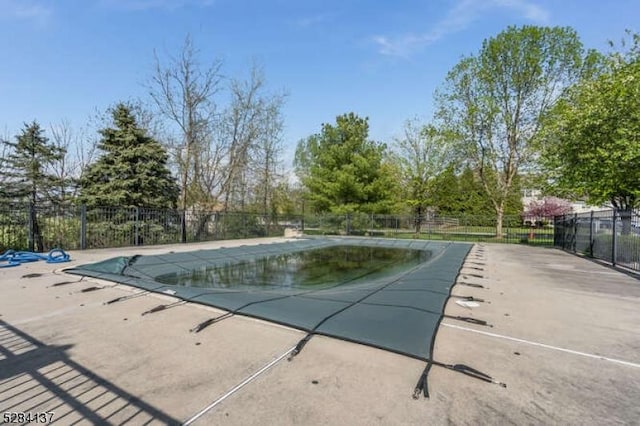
(564, 339)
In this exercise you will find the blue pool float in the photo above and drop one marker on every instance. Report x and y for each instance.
(15, 258)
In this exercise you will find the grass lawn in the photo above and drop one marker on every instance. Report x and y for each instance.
(470, 233)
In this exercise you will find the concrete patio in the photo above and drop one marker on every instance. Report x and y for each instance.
(564, 339)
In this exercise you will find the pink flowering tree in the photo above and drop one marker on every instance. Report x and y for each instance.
(547, 208)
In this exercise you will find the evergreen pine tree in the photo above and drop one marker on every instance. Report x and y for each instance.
(473, 200)
(344, 171)
(26, 179)
(445, 194)
(132, 170)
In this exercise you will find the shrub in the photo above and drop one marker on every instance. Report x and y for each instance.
(627, 248)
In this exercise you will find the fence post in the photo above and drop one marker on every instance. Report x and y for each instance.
(565, 233)
(245, 231)
(591, 241)
(136, 232)
(348, 224)
(371, 227)
(183, 226)
(614, 238)
(558, 234)
(575, 232)
(465, 228)
(216, 228)
(31, 234)
(83, 227)
(507, 234)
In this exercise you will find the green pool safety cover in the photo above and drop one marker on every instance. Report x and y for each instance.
(394, 302)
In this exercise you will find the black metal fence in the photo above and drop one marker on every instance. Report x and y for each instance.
(434, 227)
(613, 236)
(78, 227)
(609, 235)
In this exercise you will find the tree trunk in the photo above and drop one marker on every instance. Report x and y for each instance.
(36, 240)
(499, 218)
(185, 176)
(625, 216)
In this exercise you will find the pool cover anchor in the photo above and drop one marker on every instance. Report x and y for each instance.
(467, 275)
(474, 285)
(469, 320)
(469, 298)
(301, 344)
(123, 298)
(422, 385)
(61, 283)
(204, 324)
(93, 288)
(163, 307)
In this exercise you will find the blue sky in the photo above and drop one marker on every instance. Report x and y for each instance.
(65, 59)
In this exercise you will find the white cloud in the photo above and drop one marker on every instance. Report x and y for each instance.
(460, 17)
(24, 10)
(529, 10)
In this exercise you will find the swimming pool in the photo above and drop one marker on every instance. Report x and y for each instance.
(388, 294)
(314, 268)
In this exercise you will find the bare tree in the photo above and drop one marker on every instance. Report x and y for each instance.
(269, 153)
(184, 91)
(224, 156)
(4, 154)
(148, 120)
(79, 151)
(64, 169)
(252, 130)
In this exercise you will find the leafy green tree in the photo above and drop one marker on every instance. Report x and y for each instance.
(445, 196)
(343, 171)
(473, 199)
(422, 153)
(26, 174)
(132, 170)
(462, 194)
(494, 101)
(592, 137)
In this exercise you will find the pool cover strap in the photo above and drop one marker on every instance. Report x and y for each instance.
(163, 307)
(422, 385)
(301, 344)
(468, 298)
(468, 319)
(471, 285)
(204, 324)
(123, 298)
